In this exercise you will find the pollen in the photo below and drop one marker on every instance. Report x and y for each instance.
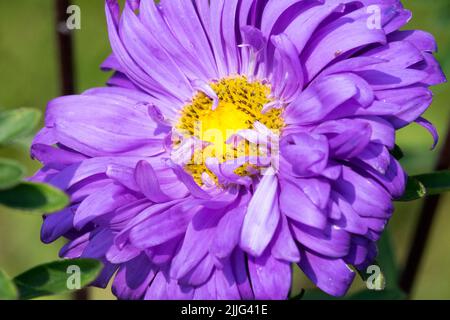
(240, 105)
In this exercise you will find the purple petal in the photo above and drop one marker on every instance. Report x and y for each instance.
(284, 247)
(431, 128)
(148, 183)
(307, 153)
(133, 278)
(307, 213)
(228, 232)
(262, 217)
(198, 239)
(332, 242)
(100, 203)
(57, 224)
(339, 37)
(320, 98)
(99, 126)
(331, 275)
(163, 225)
(366, 196)
(270, 277)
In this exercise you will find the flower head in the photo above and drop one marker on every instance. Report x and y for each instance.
(236, 138)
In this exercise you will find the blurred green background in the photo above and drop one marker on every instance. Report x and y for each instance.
(29, 78)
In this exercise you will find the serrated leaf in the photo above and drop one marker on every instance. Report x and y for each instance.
(57, 277)
(8, 290)
(34, 197)
(415, 189)
(11, 173)
(17, 123)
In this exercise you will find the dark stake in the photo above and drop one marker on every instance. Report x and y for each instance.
(65, 46)
(66, 73)
(424, 225)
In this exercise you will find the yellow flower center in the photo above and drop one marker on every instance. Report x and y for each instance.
(240, 105)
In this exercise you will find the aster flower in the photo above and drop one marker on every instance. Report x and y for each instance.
(235, 139)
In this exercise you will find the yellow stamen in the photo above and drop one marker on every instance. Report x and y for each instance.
(240, 106)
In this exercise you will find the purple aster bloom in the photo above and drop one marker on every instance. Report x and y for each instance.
(235, 139)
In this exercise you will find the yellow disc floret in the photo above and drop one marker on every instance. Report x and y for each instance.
(240, 105)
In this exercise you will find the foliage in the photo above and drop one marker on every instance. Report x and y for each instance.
(16, 124)
(426, 185)
(51, 278)
(54, 277)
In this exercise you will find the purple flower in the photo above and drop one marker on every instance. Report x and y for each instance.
(236, 138)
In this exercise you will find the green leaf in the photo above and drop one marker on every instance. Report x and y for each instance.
(57, 277)
(426, 184)
(34, 197)
(17, 123)
(386, 260)
(415, 189)
(397, 153)
(8, 290)
(436, 182)
(10, 173)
